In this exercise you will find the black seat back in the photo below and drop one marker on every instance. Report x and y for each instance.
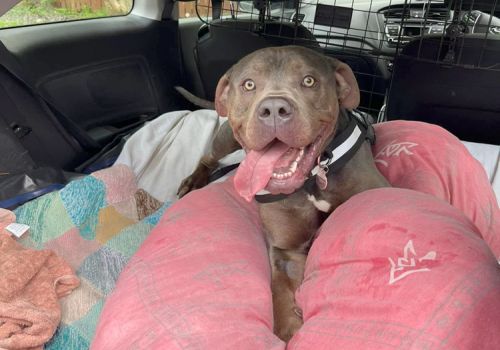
(454, 83)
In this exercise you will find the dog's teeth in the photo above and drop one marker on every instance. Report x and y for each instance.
(293, 167)
(282, 175)
(299, 156)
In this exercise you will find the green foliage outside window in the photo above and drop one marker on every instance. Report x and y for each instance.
(30, 12)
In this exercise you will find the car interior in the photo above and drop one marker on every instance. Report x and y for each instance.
(89, 83)
(73, 92)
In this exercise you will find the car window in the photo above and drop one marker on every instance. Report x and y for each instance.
(32, 12)
(202, 9)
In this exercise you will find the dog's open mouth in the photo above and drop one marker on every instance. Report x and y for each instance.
(278, 168)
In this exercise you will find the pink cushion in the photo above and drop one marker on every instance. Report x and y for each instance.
(397, 269)
(200, 281)
(391, 268)
(427, 158)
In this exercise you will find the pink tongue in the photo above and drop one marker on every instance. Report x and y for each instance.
(254, 172)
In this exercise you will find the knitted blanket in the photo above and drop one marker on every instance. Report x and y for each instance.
(96, 224)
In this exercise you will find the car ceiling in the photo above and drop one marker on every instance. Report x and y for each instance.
(6, 5)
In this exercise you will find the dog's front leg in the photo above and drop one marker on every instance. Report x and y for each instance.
(287, 268)
(290, 226)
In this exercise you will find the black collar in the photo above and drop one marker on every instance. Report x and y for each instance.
(338, 152)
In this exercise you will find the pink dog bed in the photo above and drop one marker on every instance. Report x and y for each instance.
(391, 269)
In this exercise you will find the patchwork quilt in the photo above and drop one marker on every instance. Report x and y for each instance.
(96, 224)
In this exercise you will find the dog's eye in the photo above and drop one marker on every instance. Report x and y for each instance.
(249, 85)
(308, 81)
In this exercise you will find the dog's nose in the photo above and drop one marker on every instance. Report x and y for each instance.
(274, 110)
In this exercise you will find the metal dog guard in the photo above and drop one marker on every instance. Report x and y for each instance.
(371, 35)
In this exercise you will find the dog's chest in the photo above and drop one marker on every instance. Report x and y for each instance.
(320, 203)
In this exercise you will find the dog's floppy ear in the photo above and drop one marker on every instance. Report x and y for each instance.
(347, 86)
(221, 95)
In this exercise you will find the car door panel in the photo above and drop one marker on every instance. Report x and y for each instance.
(101, 73)
(109, 92)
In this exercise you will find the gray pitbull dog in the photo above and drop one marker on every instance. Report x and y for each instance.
(286, 107)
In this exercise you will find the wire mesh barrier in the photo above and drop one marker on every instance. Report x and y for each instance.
(372, 35)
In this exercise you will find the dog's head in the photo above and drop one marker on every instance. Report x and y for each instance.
(283, 106)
